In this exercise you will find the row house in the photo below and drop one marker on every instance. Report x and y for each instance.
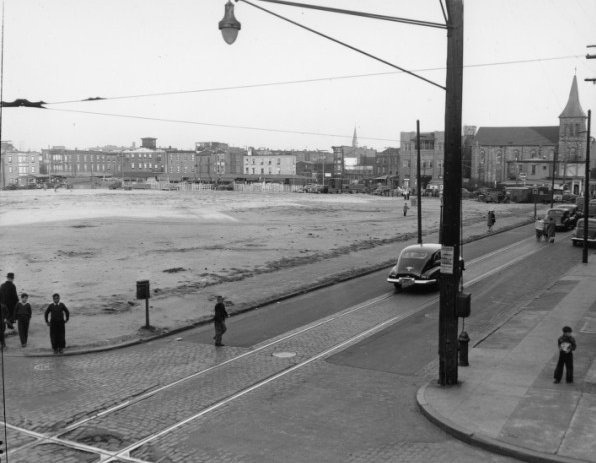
(387, 166)
(59, 161)
(180, 165)
(432, 149)
(215, 161)
(269, 165)
(352, 164)
(145, 161)
(18, 167)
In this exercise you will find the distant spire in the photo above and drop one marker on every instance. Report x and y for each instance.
(355, 139)
(573, 108)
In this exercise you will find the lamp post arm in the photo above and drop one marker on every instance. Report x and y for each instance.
(415, 22)
(344, 44)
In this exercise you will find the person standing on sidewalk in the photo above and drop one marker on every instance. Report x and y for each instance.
(59, 315)
(490, 220)
(566, 347)
(8, 300)
(23, 315)
(219, 320)
(551, 229)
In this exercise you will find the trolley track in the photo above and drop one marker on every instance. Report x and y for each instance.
(480, 268)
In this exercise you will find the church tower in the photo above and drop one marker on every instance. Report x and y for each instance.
(572, 130)
(355, 139)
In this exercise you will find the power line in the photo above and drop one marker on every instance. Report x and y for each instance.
(210, 124)
(344, 44)
(303, 81)
(416, 22)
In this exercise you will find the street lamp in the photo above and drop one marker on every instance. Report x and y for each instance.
(450, 298)
(229, 25)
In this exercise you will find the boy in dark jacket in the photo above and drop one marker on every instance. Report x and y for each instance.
(23, 315)
(59, 316)
(566, 347)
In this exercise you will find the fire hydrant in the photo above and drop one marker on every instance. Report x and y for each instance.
(463, 340)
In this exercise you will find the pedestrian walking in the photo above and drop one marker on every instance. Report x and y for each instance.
(567, 345)
(23, 316)
(219, 320)
(58, 316)
(490, 220)
(551, 228)
(406, 207)
(8, 299)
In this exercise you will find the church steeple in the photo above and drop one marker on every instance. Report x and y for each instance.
(355, 139)
(573, 108)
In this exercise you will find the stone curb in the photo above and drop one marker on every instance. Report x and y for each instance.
(481, 440)
(271, 300)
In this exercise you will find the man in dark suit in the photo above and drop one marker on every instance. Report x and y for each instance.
(8, 301)
(58, 316)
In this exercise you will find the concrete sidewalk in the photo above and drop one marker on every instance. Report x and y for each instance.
(506, 401)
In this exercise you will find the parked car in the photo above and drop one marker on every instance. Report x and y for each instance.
(562, 220)
(382, 191)
(418, 265)
(574, 212)
(578, 237)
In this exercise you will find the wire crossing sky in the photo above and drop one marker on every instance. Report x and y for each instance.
(127, 69)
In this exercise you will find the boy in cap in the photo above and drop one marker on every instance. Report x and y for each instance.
(567, 345)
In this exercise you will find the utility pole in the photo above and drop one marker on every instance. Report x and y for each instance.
(587, 192)
(450, 268)
(418, 183)
(552, 187)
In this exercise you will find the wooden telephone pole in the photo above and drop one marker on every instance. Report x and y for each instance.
(450, 268)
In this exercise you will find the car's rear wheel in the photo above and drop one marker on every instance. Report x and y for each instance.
(398, 287)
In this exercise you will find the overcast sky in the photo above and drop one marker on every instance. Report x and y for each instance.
(65, 50)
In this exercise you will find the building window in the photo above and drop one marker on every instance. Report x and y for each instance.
(533, 169)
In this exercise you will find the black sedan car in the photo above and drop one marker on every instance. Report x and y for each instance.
(418, 265)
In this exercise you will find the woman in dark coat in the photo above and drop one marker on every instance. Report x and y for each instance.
(550, 229)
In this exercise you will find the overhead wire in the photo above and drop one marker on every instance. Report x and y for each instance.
(358, 50)
(301, 81)
(210, 124)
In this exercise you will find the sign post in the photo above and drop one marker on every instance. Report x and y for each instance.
(144, 293)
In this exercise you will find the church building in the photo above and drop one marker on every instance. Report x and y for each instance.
(530, 155)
